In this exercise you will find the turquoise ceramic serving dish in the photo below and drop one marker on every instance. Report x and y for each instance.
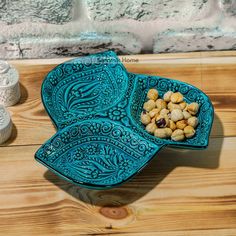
(95, 105)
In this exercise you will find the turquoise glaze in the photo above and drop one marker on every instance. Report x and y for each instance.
(95, 105)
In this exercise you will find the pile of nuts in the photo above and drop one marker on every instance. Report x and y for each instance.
(170, 117)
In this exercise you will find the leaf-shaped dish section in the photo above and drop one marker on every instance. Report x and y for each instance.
(191, 94)
(82, 87)
(96, 154)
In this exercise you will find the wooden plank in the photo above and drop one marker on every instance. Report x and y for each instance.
(208, 232)
(219, 78)
(141, 57)
(190, 73)
(182, 192)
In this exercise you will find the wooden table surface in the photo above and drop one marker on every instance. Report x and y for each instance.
(179, 193)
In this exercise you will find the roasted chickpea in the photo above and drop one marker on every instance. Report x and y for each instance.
(193, 121)
(172, 125)
(151, 128)
(181, 124)
(152, 94)
(171, 106)
(176, 97)
(163, 133)
(178, 135)
(189, 131)
(183, 105)
(160, 133)
(186, 114)
(160, 104)
(145, 118)
(167, 96)
(149, 105)
(154, 112)
(168, 132)
(164, 112)
(177, 115)
(193, 108)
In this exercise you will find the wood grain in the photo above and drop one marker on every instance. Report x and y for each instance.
(179, 192)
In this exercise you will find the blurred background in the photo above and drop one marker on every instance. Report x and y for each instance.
(59, 28)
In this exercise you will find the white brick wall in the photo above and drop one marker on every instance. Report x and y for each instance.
(53, 28)
(229, 7)
(50, 11)
(145, 10)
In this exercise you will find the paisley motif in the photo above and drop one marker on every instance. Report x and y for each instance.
(102, 153)
(69, 92)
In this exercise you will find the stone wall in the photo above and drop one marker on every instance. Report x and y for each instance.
(54, 28)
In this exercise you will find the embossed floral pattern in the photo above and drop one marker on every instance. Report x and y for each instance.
(91, 149)
(200, 100)
(116, 113)
(95, 173)
(77, 66)
(95, 127)
(173, 86)
(65, 136)
(53, 80)
(78, 154)
(125, 164)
